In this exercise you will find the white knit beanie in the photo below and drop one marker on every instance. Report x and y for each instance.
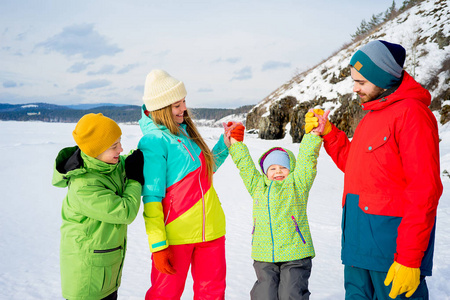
(162, 90)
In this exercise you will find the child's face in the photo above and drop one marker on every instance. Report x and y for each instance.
(111, 155)
(277, 172)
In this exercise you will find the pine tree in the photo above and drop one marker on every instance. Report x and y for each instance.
(390, 12)
(374, 21)
(362, 29)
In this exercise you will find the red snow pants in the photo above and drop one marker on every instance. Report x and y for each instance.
(208, 269)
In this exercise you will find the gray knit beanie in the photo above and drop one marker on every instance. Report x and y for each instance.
(380, 62)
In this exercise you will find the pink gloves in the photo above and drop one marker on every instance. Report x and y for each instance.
(234, 130)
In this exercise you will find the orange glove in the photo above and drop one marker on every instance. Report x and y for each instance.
(234, 130)
(163, 261)
(404, 279)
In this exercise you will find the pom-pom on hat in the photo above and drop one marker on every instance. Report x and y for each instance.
(380, 62)
(95, 133)
(276, 157)
(162, 90)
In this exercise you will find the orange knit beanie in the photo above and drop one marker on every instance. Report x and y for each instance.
(95, 133)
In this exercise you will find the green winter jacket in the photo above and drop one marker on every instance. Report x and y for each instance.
(99, 205)
(280, 225)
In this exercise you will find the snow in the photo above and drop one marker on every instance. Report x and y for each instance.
(31, 206)
(30, 106)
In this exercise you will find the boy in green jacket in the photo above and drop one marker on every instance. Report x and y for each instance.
(282, 247)
(104, 191)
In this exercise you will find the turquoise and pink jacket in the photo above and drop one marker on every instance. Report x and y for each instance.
(181, 205)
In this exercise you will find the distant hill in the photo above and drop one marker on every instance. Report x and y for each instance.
(120, 113)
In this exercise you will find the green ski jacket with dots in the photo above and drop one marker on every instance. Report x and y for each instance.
(280, 224)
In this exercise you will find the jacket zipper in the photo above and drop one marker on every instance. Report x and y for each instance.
(270, 222)
(203, 206)
(192, 157)
(108, 250)
(298, 230)
(253, 230)
(168, 212)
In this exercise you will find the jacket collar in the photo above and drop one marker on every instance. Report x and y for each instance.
(407, 89)
(91, 163)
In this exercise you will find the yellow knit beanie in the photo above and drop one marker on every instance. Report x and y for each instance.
(95, 133)
(162, 90)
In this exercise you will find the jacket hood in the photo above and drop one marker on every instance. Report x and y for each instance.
(72, 161)
(291, 158)
(408, 89)
(146, 123)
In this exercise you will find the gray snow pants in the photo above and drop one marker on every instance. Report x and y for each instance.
(282, 281)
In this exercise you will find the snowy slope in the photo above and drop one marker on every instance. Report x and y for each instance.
(30, 219)
(420, 29)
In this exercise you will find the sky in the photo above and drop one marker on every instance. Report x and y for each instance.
(228, 53)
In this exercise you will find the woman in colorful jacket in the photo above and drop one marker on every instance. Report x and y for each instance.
(103, 197)
(282, 246)
(183, 216)
(392, 179)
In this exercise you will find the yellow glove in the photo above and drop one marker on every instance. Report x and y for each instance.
(310, 121)
(404, 279)
(317, 118)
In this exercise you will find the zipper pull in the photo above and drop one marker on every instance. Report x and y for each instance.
(298, 229)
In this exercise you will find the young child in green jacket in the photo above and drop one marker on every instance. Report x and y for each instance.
(282, 247)
(104, 191)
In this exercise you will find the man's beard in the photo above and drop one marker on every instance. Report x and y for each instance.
(374, 94)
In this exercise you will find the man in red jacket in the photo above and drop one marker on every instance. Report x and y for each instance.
(392, 179)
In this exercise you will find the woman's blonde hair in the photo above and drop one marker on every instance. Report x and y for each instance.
(164, 117)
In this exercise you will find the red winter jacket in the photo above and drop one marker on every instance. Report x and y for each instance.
(391, 166)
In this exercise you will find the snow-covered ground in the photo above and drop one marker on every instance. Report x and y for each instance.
(30, 219)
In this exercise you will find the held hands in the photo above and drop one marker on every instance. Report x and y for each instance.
(134, 166)
(234, 131)
(316, 120)
(404, 279)
(163, 261)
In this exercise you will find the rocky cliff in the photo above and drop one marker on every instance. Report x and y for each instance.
(424, 31)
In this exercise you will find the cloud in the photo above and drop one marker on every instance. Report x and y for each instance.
(162, 53)
(93, 84)
(272, 65)
(78, 67)
(106, 69)
(82, 40)
(243, 74)
(139, 88)
(21, 36)
(205, 90)
(9, 84)
(230, 60)
(127, 68)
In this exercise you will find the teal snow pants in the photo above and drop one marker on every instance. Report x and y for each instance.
(363, 284)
